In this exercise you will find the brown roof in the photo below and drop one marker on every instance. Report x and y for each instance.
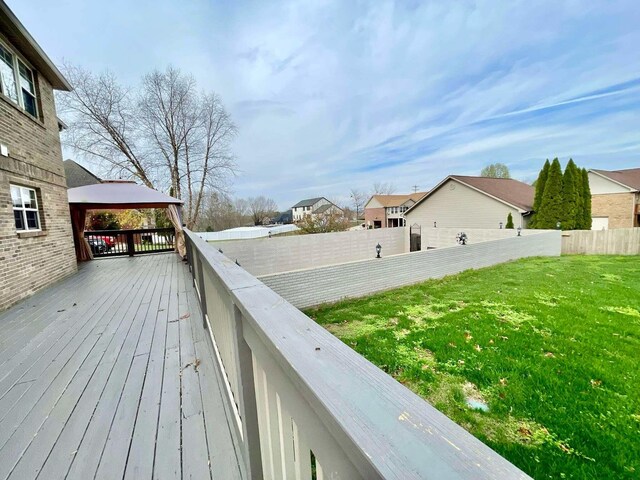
(514, 192)
(508, 190)
(397, 200)
(629, 177)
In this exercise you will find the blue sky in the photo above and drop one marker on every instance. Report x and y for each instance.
(330, 95)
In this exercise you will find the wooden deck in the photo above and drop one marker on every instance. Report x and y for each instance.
(109, 374)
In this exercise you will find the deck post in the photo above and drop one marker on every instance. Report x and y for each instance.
(247, 400)
(131, 247)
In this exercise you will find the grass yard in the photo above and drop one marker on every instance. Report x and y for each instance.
(550, 345)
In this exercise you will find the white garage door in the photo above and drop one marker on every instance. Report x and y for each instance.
(600, 223)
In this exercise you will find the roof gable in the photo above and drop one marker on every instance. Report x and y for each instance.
(78, 176)
(629, 178)
(506, 190)
(396, 200)
(309, 202)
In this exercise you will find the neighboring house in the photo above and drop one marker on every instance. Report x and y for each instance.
(615, 198)
(328, 209)
(313, 206)
(78, 176)
(473, 202)
(385, 211)
(35, 226)
(283, 218)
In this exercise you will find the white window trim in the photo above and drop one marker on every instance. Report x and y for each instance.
(18, 80)
(23, 209)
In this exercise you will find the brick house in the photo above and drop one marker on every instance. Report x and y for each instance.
(36, 243)
(386, 211)
(615, 198)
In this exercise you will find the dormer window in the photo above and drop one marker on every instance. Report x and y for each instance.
(17, 81)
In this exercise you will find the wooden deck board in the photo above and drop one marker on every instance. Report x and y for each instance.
(110, 388)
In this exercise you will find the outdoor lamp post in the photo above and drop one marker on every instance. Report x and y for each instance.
(500, 225)
(519, 230)
(558, 225)
(435, 225)
(378, 250)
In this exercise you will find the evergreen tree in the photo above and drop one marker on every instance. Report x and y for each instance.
(539, 184)
(571, 211)
(509, 221)
(550, 211)
(580, 196)
(586, 200)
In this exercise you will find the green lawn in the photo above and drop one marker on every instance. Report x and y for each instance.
(551, 345)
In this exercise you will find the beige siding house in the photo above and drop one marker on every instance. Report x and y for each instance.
(473, 202)
(615, 198)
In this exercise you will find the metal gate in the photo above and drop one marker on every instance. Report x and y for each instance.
(415, 243)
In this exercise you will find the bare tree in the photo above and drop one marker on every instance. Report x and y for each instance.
(191, 131)
(358, 198)
(383, 188)
(261, 208)
(101, 120)
(167, 133)
(496, 170)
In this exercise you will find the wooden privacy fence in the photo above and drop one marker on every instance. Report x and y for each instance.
(307, 406)
(619, 241)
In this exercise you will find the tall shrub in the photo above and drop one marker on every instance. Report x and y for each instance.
(586, 200)
(571, 209)
(551, 205)
(540, 183)
(509, 221)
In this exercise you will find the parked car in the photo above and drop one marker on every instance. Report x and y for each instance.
(109, 241)
(97, 245)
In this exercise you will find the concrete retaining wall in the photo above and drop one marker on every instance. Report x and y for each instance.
(310, 287)
(280, 254)
(619, 241)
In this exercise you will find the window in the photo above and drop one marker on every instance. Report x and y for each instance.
(25, 208)
(17, 81)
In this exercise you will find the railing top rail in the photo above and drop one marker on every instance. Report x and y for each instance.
(386, 430)
(138, 230)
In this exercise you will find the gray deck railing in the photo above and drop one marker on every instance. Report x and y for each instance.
(307, 406)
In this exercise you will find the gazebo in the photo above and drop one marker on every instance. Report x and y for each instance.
(120, 195)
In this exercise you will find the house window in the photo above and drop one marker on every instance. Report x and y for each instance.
(17, 81)
(25, 208)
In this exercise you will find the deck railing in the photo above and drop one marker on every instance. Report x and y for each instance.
(112, 243)
(307, 406)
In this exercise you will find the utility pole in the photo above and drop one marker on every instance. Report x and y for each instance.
(415, 188)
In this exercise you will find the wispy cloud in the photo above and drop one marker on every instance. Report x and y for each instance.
(330, 95)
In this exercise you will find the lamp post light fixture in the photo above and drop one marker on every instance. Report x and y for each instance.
(500, 225)
(269, 233)
(519, 231)
(378, 250)
(558, 225)
(435, 225)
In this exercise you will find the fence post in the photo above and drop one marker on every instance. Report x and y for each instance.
(247, 399)
(131, 248)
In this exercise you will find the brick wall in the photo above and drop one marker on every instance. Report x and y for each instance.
(306, 288)
(618, 207)
(281, 254)
(375, 214)
(31, 261)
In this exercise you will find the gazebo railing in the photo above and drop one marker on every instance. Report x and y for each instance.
(112, 243)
